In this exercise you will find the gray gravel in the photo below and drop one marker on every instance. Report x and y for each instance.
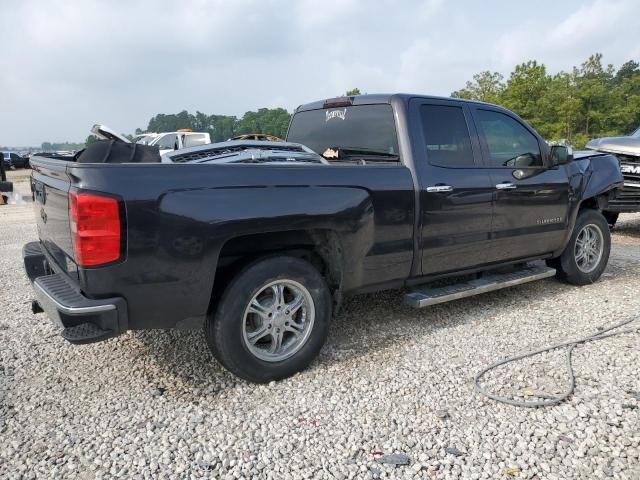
(392, 385)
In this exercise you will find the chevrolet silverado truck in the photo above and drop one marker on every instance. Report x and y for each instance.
(627, 149)
(258, 242)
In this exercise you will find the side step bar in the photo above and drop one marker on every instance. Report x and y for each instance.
(426, 296)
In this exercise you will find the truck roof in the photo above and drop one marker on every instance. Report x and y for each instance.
(376, 98)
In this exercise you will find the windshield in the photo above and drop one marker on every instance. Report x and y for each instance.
(636, 134)
(362, 127)
(145, 139)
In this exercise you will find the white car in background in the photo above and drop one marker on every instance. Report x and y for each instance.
(170, 141)
(165, 141)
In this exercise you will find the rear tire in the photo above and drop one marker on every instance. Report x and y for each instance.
(272, 319)
(587, 253)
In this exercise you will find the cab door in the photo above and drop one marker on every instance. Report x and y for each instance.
(531, 199)
(456, 190)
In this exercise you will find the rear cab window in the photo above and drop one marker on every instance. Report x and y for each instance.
(348, 133)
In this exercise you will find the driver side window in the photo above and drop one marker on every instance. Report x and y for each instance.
(508, 142)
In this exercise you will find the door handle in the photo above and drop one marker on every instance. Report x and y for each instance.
(506, 186)
(440, 188)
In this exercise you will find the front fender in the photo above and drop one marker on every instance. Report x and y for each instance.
(590, 178)
(603, 175)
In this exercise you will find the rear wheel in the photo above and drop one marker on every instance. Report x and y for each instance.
(587, 253)
(272, 319)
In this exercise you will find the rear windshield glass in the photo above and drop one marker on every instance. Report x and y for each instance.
(367, 127)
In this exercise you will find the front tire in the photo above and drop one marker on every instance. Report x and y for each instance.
(587, 253)
(271, 320)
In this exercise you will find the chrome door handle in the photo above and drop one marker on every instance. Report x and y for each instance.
(440, 188)
(506, 186)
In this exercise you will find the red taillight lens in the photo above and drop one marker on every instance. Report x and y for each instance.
(95, 228)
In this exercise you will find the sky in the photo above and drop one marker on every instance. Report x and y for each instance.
(68, 64)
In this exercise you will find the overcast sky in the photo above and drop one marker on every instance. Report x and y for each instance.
(68, 64)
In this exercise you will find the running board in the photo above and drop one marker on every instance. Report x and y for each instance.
(426, 296)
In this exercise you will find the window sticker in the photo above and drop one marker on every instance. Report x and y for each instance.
(341, 114)
(330, 153)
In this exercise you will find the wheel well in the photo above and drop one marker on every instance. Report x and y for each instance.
(596, 203)
(321, 248)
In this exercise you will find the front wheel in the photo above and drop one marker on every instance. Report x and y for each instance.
(587, 253)
(271, 320)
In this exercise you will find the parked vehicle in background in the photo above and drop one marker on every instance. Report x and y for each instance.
(627, 149)
(259, 249)
(170, 141)
(165, 141)
(6, 160)
(5, 186)
(12, 159)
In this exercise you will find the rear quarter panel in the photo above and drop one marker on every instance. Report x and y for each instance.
(180, 216)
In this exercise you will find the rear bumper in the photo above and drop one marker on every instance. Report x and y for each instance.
(81, 319)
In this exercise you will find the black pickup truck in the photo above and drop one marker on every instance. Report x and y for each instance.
(258, 242)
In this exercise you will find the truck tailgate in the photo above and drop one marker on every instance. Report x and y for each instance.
(50, 186)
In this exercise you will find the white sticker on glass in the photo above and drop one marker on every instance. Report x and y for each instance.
(341, 114)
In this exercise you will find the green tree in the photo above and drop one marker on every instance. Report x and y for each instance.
(486, 86)
(353, 92)
(526, 93)
(272, 121)
(585, 102)
(171, 122)
(627, 70)
(593, 89)
(91, 139)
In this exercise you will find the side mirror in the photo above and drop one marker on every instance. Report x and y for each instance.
(561, 155)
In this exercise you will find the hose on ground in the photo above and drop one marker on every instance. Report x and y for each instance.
(604, 332)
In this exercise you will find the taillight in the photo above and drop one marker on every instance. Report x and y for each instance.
(95, 228)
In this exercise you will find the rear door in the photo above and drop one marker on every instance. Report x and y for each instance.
(456, 190)
(531, 199)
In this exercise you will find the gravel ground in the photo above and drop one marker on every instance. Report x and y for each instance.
(391, 380)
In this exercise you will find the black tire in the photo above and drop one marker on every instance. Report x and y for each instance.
(566, 265)
(611, 218)
(224, 329)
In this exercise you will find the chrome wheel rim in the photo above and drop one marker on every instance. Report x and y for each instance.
(278, 320)
(589, 248)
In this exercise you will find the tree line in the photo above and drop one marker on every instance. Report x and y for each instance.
(274, 121)
(587, 102)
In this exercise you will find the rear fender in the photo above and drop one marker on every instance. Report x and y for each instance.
(220, 215)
